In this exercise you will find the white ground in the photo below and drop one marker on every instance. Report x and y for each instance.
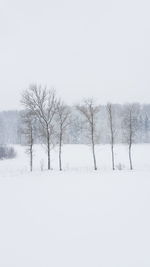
(76, 218)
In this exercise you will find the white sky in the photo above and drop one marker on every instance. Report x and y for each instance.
(81, 48)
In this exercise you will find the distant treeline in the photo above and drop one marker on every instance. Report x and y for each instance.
(11, 126)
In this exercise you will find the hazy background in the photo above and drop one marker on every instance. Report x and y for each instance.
(81, 48)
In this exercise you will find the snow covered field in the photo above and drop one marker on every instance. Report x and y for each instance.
(78, 217)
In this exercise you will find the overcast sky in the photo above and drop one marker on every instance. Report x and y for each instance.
(81, 48)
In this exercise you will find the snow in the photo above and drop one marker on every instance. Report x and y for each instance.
(78, 217)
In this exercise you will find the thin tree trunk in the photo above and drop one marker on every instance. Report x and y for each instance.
(93, 151)
(48, 150)
(113, 159)
(31, 159)
(112, 148)
(60, 146)
(94, 157)
(130, 142)
(112, 135)
(31, 151)
(130, 157)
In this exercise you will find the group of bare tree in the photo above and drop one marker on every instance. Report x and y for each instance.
(129, 126)
(53, 116)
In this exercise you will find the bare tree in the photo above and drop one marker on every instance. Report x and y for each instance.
(28, 131)
(130, 127)
(109, 109)
(43, 104)
(89, 110)
(62, 119)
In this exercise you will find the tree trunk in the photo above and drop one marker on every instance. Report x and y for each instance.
(31, 159)
(130, 157)
(94, 157)
(112, 135)
(31, 151)
(113, 159)
(130, 141)
(93, 151)
(48, 150)
(60, 146)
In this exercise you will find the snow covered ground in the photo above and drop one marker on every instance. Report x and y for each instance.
(78, 217)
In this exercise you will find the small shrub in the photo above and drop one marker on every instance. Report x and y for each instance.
(7, 152)
(120, 167)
